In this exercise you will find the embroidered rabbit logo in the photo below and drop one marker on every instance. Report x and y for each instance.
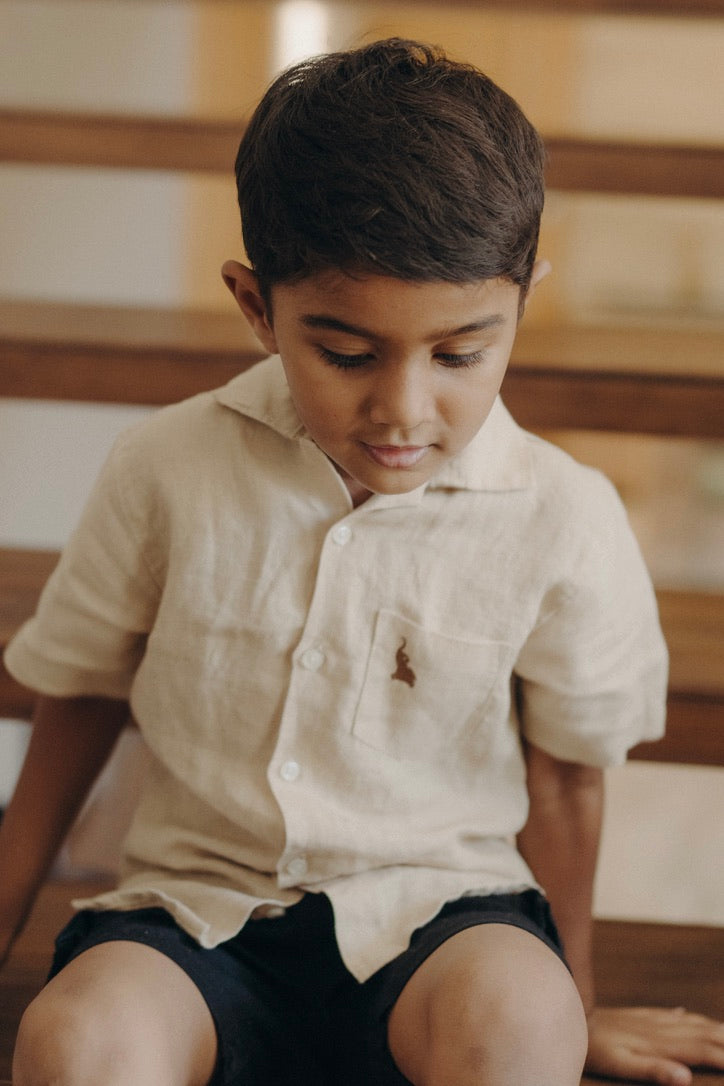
(403, 671)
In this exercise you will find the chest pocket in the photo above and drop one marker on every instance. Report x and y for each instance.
(426, 696)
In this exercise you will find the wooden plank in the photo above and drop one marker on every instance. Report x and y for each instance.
(113, 354)
(116, 141)
(693, 624)
(581, 401)
(666, 965)
(16, 702)
(669, 965)
(601, 378)
(694, 732)
(206, 144)
(585, 401)
(635, 169)
(672, 8)
(22, 576)
(640, 380)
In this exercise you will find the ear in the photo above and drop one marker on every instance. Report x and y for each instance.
(541, 269)
(243, 284)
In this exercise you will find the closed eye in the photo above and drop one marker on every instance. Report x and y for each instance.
(461, 361)
(344, 361)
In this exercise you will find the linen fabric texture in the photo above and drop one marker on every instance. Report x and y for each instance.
(333, 699)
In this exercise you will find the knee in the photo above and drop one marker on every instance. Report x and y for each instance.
(67, 1042)
(50, 1041)
(536, 1035)
(531, 1037)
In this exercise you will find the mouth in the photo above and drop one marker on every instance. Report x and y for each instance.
(396, 456)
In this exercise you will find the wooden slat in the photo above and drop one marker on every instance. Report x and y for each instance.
(693, 625)
(643, 380)
(694, 732)
(635, 169)
(553, 400)
(119, 355)
(136, 142)
(22, 576)
(171, 143)
(667, 965)
(673, 8)
(574, 377)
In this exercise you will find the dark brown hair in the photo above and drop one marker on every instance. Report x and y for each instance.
(390, 159)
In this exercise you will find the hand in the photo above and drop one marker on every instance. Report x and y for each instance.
(647, 1044)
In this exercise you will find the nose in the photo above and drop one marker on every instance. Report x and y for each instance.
(402, 395)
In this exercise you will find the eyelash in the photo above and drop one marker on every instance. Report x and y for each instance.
(344, 361)
(354, 361)
(462, 361)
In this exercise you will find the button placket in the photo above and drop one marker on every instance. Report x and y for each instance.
(311, 657)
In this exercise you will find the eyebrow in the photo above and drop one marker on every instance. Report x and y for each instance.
(332, 324)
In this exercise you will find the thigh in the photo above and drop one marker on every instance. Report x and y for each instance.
(118, 1013)
(389, 1016)
(262, 993)
(491, 1005)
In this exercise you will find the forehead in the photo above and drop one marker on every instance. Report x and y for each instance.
(381, 304)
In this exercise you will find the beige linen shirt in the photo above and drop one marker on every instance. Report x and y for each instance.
(333, 698)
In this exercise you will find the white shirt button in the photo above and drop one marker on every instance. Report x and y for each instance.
(289, 771)
(312, 659)
(297, 867)
(342, 534)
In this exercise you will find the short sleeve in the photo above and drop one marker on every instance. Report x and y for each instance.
(593, 672)
(88, 634)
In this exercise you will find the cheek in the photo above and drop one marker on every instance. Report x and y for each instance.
(467, 411)
(323, 409)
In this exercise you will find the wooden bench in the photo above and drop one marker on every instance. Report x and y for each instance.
(655, 964)
(637, 380)
(693, 624)
(618, 379)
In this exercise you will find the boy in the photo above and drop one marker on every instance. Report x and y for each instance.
(374, 636)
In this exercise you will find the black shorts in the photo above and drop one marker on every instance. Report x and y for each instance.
(286, 1008)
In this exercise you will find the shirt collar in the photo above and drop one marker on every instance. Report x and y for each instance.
(497, 459)
(262, 393)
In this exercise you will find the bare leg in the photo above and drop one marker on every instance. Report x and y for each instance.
(493, 1006)
(120, 1014)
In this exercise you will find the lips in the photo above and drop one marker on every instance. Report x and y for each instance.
(396, 456)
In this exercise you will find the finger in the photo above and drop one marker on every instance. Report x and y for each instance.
(623, 1061)
(655, 1069)
(696, 1041)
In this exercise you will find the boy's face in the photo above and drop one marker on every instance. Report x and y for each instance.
(391, 379)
